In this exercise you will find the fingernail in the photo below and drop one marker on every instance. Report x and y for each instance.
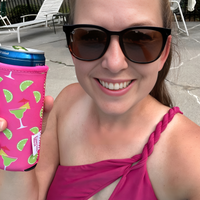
(1, 124)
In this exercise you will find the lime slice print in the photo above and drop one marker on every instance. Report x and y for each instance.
(7, 161)
(41, 113)
(32, 159)
(21, 144)
(37, 96)
(1, 79)
(34, 130)
(25, 84)
(8, 95)
(7, 132)
(20, 48)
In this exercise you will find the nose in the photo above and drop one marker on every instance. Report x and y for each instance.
(114, 59)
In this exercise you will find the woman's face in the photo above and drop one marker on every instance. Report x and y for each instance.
(114, 68)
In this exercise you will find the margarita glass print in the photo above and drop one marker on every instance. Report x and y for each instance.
(7, 161)
(19, 113)
(9, 76)
(22, 91)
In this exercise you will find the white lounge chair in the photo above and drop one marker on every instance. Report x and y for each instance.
(45, 14)
(175, 4)
(5, 20)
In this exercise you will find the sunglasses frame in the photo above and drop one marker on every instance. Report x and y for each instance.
(68, 29)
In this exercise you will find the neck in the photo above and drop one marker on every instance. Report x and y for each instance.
(132, 118)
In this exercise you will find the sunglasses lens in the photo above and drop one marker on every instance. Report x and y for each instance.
(87, 43)
(142, 45)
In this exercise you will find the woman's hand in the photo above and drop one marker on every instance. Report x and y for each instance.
(48, 104)
(3, 124)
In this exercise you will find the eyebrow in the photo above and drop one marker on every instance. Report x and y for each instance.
(143, 23)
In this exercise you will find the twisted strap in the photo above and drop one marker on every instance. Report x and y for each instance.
(161, 126)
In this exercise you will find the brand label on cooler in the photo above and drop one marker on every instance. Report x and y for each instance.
(36, 143)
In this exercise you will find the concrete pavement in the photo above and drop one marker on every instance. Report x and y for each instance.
(183, 79)
(61, 69)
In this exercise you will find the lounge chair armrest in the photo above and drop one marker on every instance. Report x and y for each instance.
(51, 13)
(24, 16)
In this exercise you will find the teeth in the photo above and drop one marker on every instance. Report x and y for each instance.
(115, 86)
(111, 86)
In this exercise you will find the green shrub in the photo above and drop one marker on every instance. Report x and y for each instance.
(15, 14)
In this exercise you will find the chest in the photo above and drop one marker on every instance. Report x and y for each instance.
(83, 157)
(79, 146)
(85, 146)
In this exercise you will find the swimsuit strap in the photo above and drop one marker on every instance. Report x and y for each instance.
(161, 126)
(84, 181)
(147, 151)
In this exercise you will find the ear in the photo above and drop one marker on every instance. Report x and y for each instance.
(165, 52)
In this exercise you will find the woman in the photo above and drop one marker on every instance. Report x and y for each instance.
(114, 135)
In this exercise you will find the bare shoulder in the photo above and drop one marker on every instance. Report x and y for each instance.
(183, 164)
(70, 92)
(185, 135)
(68, 96)
(70, 106)
(174, 166)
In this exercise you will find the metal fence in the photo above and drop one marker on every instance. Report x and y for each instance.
(17, 8)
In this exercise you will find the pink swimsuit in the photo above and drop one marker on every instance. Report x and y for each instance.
(84, 181)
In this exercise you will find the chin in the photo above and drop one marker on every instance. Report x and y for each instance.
(115, 109)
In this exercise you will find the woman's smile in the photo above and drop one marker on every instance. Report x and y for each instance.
(115, 88)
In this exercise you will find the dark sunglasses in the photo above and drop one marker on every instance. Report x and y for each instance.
(141, 44)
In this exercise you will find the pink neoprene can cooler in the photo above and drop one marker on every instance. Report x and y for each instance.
(22, 91)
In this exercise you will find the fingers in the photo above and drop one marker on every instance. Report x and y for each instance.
(48, 103)
(47, 108)
(3, 124)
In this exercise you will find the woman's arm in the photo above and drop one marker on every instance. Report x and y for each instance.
(18, 185)
(33, 185)
(49, 155)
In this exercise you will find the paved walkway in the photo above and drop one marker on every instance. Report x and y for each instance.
(183, 80)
